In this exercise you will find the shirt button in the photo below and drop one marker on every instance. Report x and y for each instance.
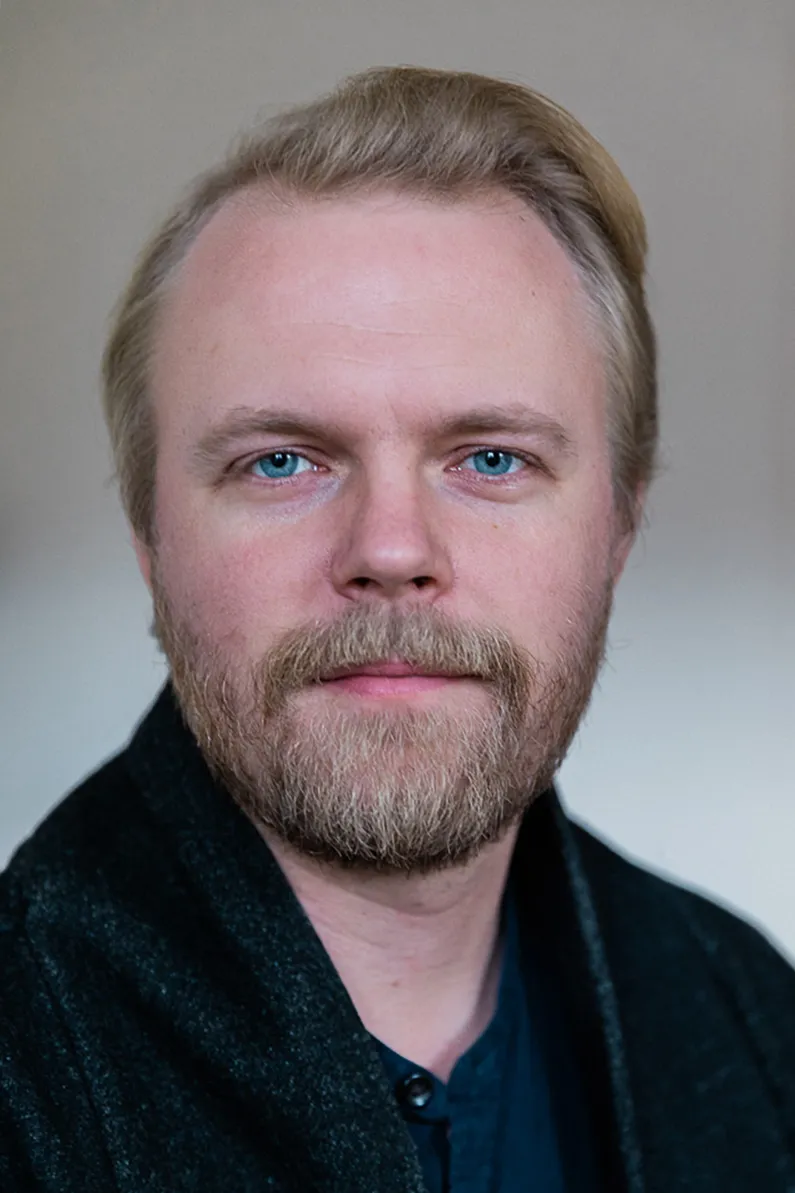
(415, 1091)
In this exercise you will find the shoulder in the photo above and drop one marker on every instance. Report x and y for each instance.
(48, 1123)
(91, 838)
(71, 854)
(628, 890)
(689, 960)
(702, 1014)
(72, 882)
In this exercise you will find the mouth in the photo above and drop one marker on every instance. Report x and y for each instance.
(389, 678)
(390, 669)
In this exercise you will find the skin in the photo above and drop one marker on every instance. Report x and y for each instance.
(380, 316)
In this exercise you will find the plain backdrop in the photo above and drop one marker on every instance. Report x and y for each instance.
(107, 108)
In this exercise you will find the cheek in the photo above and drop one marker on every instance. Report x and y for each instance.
(242, 590)
(540, 580)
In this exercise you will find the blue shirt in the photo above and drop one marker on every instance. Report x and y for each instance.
(492, 1128)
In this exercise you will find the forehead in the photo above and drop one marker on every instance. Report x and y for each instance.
(385, 295)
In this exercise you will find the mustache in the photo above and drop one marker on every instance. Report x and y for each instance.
(425, 639)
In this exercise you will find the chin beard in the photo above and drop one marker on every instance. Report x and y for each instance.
(400, 789)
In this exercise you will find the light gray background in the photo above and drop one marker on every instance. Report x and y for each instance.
(108, 107)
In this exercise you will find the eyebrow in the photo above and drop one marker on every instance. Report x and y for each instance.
(243, 423)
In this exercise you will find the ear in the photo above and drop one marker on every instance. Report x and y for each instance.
(144, 556)
(621, 549)
(626, 534)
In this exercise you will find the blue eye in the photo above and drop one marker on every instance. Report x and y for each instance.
(491, 462)
(276, 465)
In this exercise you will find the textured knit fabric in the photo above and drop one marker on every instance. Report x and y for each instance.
(170, 1021)
(491, 1126)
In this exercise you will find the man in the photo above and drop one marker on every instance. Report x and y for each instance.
(382, 399)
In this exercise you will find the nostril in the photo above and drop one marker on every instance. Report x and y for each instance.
(421, 581)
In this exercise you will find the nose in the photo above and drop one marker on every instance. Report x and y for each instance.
(387, 546)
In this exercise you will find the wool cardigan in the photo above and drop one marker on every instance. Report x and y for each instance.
(170, 1021)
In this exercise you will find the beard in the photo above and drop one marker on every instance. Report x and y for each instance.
(404, 788)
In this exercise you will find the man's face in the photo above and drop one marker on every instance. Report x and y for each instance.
(382, 436)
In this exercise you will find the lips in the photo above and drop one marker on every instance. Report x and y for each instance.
(388, 670)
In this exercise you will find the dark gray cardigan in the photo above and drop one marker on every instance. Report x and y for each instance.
(170, 1021)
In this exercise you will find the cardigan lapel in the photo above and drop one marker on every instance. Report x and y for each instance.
(300, 1055)
(695, 1042)
(562, 937)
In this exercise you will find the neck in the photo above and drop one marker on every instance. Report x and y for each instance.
(419, 955)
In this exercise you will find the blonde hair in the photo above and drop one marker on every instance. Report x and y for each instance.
(437, 134)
